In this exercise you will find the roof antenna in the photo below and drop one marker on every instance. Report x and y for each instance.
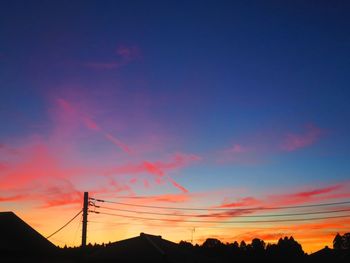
(192, 232)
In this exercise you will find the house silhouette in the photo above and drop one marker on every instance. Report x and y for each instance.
(143, 248)
(19, 241)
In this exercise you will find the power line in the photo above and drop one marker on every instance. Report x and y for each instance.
(76, 231)
(224, 222)
(225, 216)
(222, 209)
(136, 224)
(182, 226)
(159, 225)
(66, 224)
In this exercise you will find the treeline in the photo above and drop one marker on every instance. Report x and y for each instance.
(287, 249)
(342, 242)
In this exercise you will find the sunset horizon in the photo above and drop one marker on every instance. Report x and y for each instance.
(187, 120)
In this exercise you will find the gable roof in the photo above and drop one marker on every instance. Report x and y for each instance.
(143, 248)
(17, 236)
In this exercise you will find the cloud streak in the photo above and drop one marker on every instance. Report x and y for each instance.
(336, 191)
(294, 141)
(124, 56)
(89, 123)
(11, 198)
(158, 169)
(253, 149)
(104, 65)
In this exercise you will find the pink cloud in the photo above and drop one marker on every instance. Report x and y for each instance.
(41, 173)
(66, 106)
(161, 198)
(146, 183)
(65, 194)
(336, 191)
(255, 148)
(317, 191)
(293, 141)
(46, 188)
(158, 169)
(248, 205)
(125, 55)
(47, 169)
(104, 65)
(6, 149)
(11, 198)
(37, 174)
(179, 160)
(237, 148)
(312, 195)
(90, 124)
(152, 168)
(177, 185)
(225, 215)
(118, 187)
(128, 52)
(242, 202)
(118, 143)
(238, 154)
(71, 112)
(3, 167)
(35, 162)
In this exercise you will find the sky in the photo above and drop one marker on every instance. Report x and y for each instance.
(195, 104)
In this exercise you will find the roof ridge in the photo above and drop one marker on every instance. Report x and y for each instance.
(148, 238)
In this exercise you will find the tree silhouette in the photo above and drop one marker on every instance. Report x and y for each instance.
(257, 247)
(285, 249)
(346, 241)
(185, 244)
(235, 246)
(338, 242)
(258, 244)
(243, 246)
(212, 243)
(342, 242)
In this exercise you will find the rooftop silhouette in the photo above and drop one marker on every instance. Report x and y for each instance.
(19, 242)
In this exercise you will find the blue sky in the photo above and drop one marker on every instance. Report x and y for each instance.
(164, 97)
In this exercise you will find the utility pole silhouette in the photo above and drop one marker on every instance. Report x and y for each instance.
(85, 214)
(193, 230)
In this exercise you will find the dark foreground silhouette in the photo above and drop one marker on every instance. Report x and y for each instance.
(21, 243)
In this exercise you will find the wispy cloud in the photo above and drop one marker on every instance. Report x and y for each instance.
(104, 65)
(37, 167)
(177, 185)
(3, 166)
(242, 202)
(255, 148)
(69, 110)
(236, 149)
(61, 193)
(6, 149)
(237, 154)
(44, 163)
(128, 53)
(11, 198)
(295, 141)
(158, 169)
(118, 143)
(124, 56)
(311, 194)
(160, 198)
